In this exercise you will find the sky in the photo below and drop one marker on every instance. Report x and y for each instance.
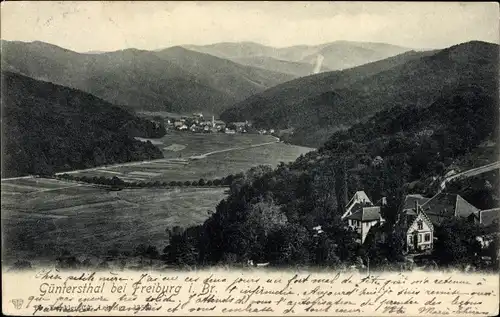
(107, 26)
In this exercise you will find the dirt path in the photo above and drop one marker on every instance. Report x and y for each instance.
(471, 172)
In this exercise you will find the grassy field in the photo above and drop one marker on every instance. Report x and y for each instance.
(91, 221)
(43, 217)
(199, 143)
(227, 154)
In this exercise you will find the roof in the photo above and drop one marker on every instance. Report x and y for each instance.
(410, 200)
(409, 217)
(239, 123)
(366, 214)
(489, 216)
(445, 206)
(358, 197)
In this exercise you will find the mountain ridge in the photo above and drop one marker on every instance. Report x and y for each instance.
(346, 51)
(338, 99)
(116, 76)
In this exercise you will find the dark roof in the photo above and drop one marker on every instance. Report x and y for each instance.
(366, 214)
(411, 199)
(445, 206)
(489, 216)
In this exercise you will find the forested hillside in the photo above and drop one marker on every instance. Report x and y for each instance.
(336, 55)
(318, 105)
(172, 80)
(48, 128)
(270, 214)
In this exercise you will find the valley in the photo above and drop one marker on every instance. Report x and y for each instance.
(43, 217)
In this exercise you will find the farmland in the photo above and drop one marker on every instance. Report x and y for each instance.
(91, 221)
(203, 156)
(42, 217)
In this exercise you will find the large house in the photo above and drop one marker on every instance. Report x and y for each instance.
(361, 215)
(445, 206)
(418, 229)
(359, 197)
(419, 215)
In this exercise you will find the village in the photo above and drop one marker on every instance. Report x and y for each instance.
(198, 124)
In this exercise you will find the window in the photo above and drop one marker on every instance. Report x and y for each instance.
(420, 225)
(410, 239)
(419, 238)
(427, 237)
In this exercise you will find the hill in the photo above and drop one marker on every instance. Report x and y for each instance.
(344, 54)
(297, 69)
(337, 55)
(271, 215)
(233, 79)
(174, 80)
(48, 128)
(318, 105)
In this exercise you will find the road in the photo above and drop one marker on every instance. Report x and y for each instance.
(471, 172)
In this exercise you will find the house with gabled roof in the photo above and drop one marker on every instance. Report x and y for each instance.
(446, 206)
(361, 215)
(363, 219)
(417, 228)
(359, 198)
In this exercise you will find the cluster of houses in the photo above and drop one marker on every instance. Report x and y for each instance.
(417, 217)
(197, 123)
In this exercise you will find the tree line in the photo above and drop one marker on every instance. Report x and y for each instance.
(117, 182)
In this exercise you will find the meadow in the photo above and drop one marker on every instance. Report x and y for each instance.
(89, 221)
(42, 217)
(207, 156)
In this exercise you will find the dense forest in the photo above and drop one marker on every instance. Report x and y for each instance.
(270, 215)
(48, 128)
(173, 79)
(317, 106)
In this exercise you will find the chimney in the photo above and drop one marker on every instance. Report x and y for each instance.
(383, 202)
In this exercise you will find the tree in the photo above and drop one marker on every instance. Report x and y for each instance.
(288, 245)
(456, 242)
(183, 248)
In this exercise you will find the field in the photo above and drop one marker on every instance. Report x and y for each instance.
(90, 221)
(206, 156)
(42, 217)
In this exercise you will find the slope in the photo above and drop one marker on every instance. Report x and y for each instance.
(233, 79)
(48, 128)
(320, 104)
(297, 69)
(142, 80)
(337, 55)
(344, 54)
